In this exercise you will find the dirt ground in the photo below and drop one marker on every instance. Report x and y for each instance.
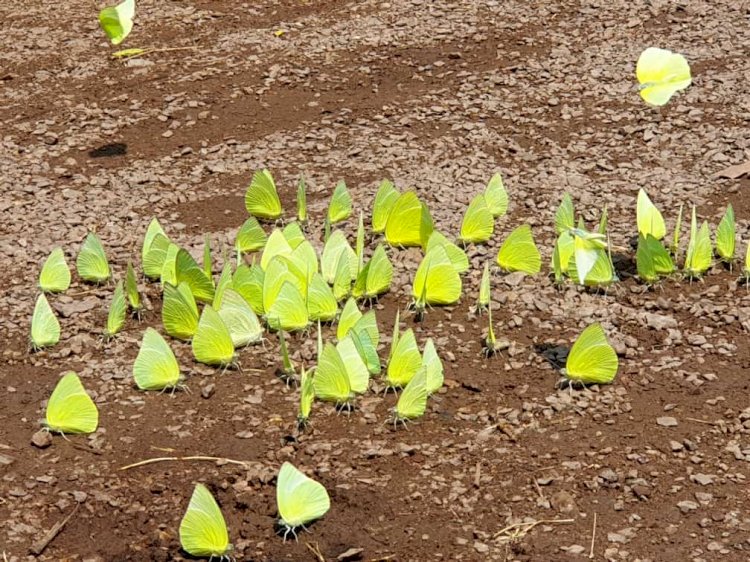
(433, 95)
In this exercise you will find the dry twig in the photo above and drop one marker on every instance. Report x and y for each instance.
(316, 551)
(38, 546)
(593, 538)
(519, 530)
(193, 458)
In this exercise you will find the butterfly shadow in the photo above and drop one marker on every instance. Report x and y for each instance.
(109, 150)
(555, 355)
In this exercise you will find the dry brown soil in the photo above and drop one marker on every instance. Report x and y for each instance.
(437, 95)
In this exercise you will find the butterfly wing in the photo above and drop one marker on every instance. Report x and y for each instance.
(299, 499)
(154, 229)
(649, 218)
(496, 196)
(591, 359)
(277, 245)
(385, 200)
(409, 222)
(366, 349)
(725, 236)
(379, 274)
(250, 237)
(187, 270)
(519, 253)
(661, 73)
(117, 311)
(261, 197)
(349, 316)
(478, 223)
(321, 303)
(433, 367)
(212, 343)
(307, 396)
(203, 531)
(240, 319)
(92, 264)
(45, 328)
(179, 313)
(249, 283)
(331, 381)
(341, 204)
(55, 274)
(70, 409)
(117, 21)
(289, 310)
(301, 201)
(413, 400)
(405, 360)
(457, 256)
(155, 367)
(153, 261)
(356, 369)
(565, 215)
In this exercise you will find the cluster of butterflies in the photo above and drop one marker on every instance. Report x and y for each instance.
(586, 256)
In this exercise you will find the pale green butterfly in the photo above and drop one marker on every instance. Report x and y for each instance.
(409, 222)
(458, 257)
(433, 367)
(405, 360)
(565, 215)
(332, 250)
(203, 531)
(591, 359)
(250, 238)
(117, 21)
(342, 281)
(340, 207)
(153, 261)
(301, 201)
(55, 274)
(154, 229)
(45, 328)
(300, 499)
(321, 302)
(674, 247)
(212, 343)
(725, 236)
(699, 252)
(169, 265)
(496, 196)
(375, 277)
(277, 245)
(385, 199)
(519, 253)
(248, 281)
(244, 326)
(289, 310)
(187, 270)
(649, 218)
(652, 259)
(179, 312)
(661, 74)
(352, 319)
(226, 281)
(436, 281)
(131, 289)
(478, 223)
(360, 242)
(155, 367)
(413, 400)
(366, 347)
(70, 409)
(306, 397)
(262, 199)
(331, 380)
(305, 258)
(483, 300)
(118, 309)
(356, 369)
(207, 262)
(92, 264)
(280, 271)
(293, 234)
